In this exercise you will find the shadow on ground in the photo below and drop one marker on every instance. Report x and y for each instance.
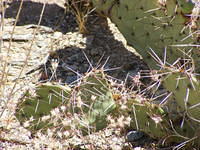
(102, 49)
(53, 16)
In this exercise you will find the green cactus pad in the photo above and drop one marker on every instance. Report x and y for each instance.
(150, 119)
(48, 96)
(186, 91)
(163, 32)
(158, 123)
(154, 25)
(97, 100)
(186, 6)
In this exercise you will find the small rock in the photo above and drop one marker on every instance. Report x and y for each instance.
(133, 136)
(57, 35)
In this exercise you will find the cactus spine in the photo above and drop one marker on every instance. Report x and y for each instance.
(91, 101)
(166, 34)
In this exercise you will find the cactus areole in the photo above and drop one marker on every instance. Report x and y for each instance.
(170, 28)
(166, 33)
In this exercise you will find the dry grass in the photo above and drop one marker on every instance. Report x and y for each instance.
(81, 9)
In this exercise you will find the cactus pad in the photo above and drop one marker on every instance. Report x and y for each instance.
(157, 24)
(48, 96)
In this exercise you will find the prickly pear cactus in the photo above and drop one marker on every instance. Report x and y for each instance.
(166, 34)
(89, 103)
(164, 26)
(149, 118)
(186, 91)
(157, 122)
(96, 100)
(32, 109)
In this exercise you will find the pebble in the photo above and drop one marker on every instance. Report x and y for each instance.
(133, 136)
(57, 35)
